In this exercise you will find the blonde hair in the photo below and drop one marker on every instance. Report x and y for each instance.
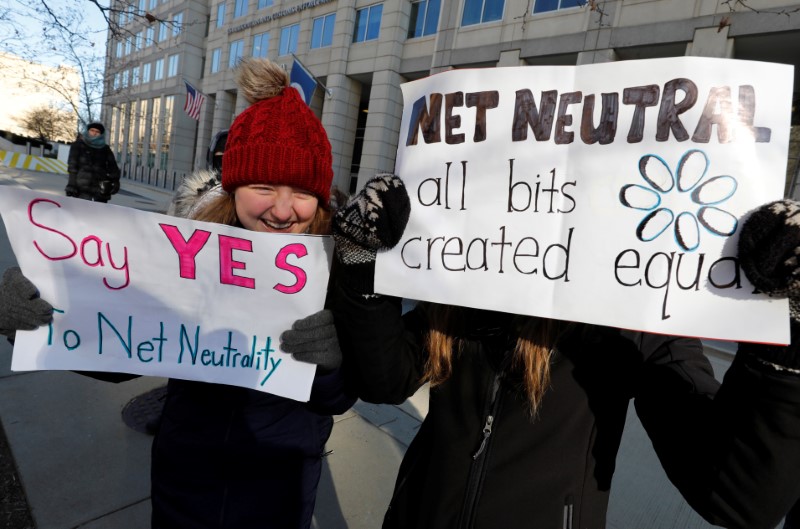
(222, 210)
(531, 357)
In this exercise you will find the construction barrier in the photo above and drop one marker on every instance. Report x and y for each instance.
(18, 160)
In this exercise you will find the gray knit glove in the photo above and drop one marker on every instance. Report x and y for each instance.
(21, 308)
(769, 245)
(313, 340)
(372, 221)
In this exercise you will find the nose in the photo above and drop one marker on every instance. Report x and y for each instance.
(283, 206)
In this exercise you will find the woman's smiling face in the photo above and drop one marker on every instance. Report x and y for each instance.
(275, 208)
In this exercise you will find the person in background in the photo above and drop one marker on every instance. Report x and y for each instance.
(93, 171)
(526, 414)
(230, 457)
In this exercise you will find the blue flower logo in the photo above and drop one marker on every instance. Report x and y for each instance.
(686, 191)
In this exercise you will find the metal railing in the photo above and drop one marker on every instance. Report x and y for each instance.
(152, 176)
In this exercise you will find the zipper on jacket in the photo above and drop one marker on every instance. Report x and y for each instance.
(480, 458)
(568, 503)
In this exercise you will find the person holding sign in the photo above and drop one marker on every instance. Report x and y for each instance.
(232, 457)
(526, 414)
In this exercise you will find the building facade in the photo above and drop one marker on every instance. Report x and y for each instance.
(361, 51)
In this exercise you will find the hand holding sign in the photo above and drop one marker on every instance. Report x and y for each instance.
(21, 308)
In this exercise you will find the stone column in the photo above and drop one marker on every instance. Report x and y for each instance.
(340, 119)
(383, 125)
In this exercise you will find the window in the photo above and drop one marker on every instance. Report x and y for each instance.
(119, 49)
(125, 76)
(172, 66)
(139, 37)
(135, 76)
(116, 81)
(322, 31)
(479, 11)
(289, 36)
(162, 32)
(236, 52)
(153, 4)
(177, 24)
(368, 23)
(128, 44)
(215, 57)
(239, 8)
(264, 3)
(261, 44)
(159, 67)
(142, 4)
(424, 18)
(146, 73)
(542, 6)
(221, 15)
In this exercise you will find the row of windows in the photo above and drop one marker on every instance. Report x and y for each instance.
(142, 6)
(148, 36)
(142, 74)
(480, 11)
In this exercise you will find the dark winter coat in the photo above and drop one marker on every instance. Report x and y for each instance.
(227, 457)
(88, 168)
(733, 452)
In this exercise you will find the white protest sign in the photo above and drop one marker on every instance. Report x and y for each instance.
(608, 193)
(149, 294)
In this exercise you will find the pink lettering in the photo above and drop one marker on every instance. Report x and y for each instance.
(187, 250)
(30, 217)
(227, 264)
(280, 261)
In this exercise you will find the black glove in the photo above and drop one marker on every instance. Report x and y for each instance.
(21, 308)
(71, 191)
(373, 220)
(313, 340)
(769, 245)
(113, 187)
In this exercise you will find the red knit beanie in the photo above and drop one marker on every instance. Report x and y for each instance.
(279, 141)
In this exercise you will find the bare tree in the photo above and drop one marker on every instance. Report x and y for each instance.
(48, 123)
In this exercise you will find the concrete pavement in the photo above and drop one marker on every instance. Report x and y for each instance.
(82, 467)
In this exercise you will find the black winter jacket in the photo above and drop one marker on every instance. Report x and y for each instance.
(479, 460)
(88, 167)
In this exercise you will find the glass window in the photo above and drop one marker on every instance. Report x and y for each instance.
(159, 67)
(322, 31)
(264, 3)
(542, 6)
(236, 52)
(119, 49)
(424, 18)
(116, 81)
(479, 11)
(172, 66)
(146, 73)
(142, 4)
(261, 44)
(221, 15)
(125, 75)
(153, 4)
(135, 76)
(139, 40)
(128, 44)
(150, 36)
(216, 54)
(162, 32)
(368, 23)
(288, 42)
(177, 24)
(239, 8)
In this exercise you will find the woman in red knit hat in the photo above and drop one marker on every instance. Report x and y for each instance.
(231, 457)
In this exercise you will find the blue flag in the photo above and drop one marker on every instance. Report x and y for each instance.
(302, 80)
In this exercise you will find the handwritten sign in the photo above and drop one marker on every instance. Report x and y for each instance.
(608, 193)
(149, 294)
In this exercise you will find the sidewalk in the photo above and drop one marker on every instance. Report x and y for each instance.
(82, 467)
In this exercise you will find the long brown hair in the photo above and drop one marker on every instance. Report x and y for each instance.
(531, 357)
(222, 210)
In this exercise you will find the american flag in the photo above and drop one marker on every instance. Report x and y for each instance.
(194, 101)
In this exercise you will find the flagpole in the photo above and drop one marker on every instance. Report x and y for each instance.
(327, 90)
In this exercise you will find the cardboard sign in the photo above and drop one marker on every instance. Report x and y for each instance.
(149, 294)
(609, 193)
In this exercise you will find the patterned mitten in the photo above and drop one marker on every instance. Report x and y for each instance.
(373, 220)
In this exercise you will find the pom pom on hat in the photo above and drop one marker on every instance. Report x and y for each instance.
(277, 140)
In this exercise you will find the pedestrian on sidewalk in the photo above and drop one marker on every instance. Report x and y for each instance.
(231, 457)
(93, 171)
(526, 414)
